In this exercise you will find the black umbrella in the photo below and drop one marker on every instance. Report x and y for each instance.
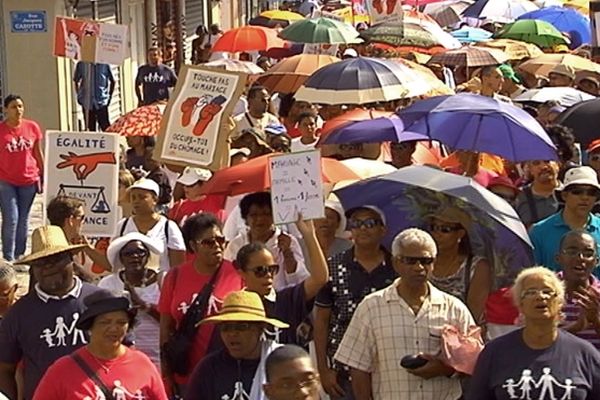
(583, 119)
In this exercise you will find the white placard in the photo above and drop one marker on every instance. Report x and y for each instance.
(296, 186)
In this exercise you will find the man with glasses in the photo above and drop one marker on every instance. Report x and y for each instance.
(41, 326)
(353, 274)
(580, 192)
(404, 319)
(291, 375)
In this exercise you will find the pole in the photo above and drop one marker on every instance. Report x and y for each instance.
(595, 27)
(94, 9)
(179, 44)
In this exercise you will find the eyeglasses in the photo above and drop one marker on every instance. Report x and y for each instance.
(367, 223)
(594, 157)
(546, 293)
(212, 242)
(587, 254)
(309, 383)
(134, 253)
(63, 258)
(263, 270)
(444, 228)
(236, 326)
(582, 191)
(414, 260)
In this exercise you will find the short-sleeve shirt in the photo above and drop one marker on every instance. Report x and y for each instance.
(155, 81)
(509, 369)
(384, 329)
(290, 306)
(157, 232)
(18, 165)
(101, 79)
(544, 206)
(130, 376)
(247, 121)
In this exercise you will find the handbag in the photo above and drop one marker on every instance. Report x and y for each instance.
(460, 351)
(176, 349)
(93, 376)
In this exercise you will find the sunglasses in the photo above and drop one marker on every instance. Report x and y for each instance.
(414, 260)
(582, 191)
(263, 270)
(236, 326)
(444, 228)
(57, 259)
(367, 223)
(212, 242)
(135, 253)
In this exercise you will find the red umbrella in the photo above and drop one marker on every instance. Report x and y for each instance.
(248, 38)
(143, 121)
(355, 115)
(253, 176)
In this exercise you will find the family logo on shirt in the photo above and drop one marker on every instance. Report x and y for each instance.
(18, 144)
(545, 386)
(273, 335)
(154, 78)
(214, 305)
(119, 392)
(238, 393)
(63, 334)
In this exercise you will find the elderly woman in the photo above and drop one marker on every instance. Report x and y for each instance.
(539, 361)
(457, 270)
(104, 368)
(129, 257)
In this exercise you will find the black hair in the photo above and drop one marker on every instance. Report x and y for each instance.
(564, 140)
(243, 254)
(576, 232)
(201, 30)
(488, 69)
(10, 98)
(283, 354)
(196, 225)
(260, 199)
(255, 89)
(306, 114)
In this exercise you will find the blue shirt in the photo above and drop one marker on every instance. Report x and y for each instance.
(101, 78)
(546, 234)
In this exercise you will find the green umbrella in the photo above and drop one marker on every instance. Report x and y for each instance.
(400, 35)
(540, 33)
(320, 30)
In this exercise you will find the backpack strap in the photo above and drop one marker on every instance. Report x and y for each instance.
(531, 203)
(124, 226)
(92, 375)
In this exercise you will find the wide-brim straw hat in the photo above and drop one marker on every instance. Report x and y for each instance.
(47, 241)
(243, 306)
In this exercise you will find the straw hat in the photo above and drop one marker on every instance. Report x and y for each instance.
(452, 215)
(47, 241)
(243, 306)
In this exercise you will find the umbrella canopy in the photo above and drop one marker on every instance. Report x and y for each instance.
(361, 80)
(142, 121)
(383, 129)
(358, 114)
(514, 49)
(565, 20)
(438, 87)
(566, 96)
(236, 65)
(253, 176)
(428, 24)
(583, 119)
(248, 38)
(291, 73)
(272, 18)
(320, 30)
(542, 65)
(368, 168)
(540, 33)
(468, 34)
(472, 122)
(410, 195)
(469, 56)
(448, 12)
(499, 10)
(399, 35)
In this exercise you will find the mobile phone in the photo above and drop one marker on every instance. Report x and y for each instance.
(413, 361)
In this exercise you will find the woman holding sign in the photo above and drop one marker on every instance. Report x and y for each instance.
(21, 166)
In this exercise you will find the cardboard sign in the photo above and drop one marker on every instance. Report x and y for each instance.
(384, 10)
(85, 165)
(296, 186)
(321, 48)
(90, 41)
(194, 129)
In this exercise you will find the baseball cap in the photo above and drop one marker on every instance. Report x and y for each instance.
(509, 73)
(192, 175)
(146, 184)
(351, 211)
(350, 52)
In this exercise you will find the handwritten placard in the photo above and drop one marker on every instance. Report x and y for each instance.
(296, 186)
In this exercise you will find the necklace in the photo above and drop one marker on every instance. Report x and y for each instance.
(100, 363)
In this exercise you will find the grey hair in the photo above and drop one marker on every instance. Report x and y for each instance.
(539, 272)
(7, 273)
(413, 236)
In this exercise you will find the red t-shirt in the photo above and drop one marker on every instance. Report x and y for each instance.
(18, 166)
(176, 297)
(131, 376)
(185, 208)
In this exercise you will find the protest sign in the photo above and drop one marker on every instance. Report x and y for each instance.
(85, 165)
(384, 10)
(321, 48)
(194, 129)
(296, 186)
(90, 41)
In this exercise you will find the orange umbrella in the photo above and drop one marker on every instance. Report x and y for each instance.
(253, 176)
(289, 74)
(358, 114)
(142, 121)
(248, 38)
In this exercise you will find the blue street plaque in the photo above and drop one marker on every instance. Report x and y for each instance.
(28, 21)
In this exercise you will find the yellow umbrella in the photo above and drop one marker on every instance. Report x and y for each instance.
(542, 65)
(282, 15)
(583, 6)
(514, 49)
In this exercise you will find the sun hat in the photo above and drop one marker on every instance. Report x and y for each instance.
(145, 184)
(580, 176)
(243, 306)
(367, 207)
(339, 209)
(565, 70)
(452, 215)
(191, 175)
(242, 150)
(115, 247)
(47, 241)
(350, 52)
(101, 302)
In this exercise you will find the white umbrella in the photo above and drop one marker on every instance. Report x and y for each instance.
(500, 10)
(566, 96)
(236, 66)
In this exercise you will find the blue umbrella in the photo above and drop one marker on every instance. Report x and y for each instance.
(411, 194)
(468, 34)
(565, 20)
(383, 129)
(472, 122)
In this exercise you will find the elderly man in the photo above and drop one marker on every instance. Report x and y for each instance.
(401, 320)
(41, 326)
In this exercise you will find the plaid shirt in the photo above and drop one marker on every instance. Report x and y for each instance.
(384, 329)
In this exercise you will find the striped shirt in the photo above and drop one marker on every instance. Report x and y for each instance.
(571, 311)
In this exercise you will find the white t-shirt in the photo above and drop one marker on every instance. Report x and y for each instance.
(246, 121)
(297, 145)
(157, 232)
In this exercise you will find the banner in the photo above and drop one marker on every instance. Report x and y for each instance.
(193, 129)
(90, 41)
(384, 10)
(296, 186)
(85, 165)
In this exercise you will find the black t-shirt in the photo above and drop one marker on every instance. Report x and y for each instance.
(155, 81)
(291, 307)
(509, 369)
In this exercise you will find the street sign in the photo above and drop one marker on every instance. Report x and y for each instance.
(28, 21)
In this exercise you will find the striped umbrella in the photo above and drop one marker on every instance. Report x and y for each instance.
(469, 56)
(514, 49)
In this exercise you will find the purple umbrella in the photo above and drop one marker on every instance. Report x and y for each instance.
(383, 129)
(468, 121)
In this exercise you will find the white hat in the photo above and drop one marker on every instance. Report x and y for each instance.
(146, 184)
(115, 247)
(242, 150)
(581, 176)
(350, 52)
(337, 207)
(367, 207)
(191, 176)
